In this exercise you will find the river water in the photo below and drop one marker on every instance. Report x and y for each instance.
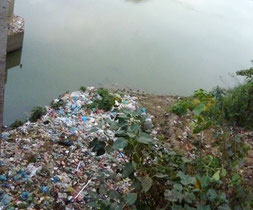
(159, 46)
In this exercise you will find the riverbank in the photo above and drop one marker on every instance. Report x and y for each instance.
(62, 160)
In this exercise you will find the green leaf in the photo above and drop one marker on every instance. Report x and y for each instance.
(136, 184)
(189, 197)
(102, 190)
(169, 195)
(92, 204)
(185, 160)
(197, 129)
(113, 194)
(199, 109)
(120, 143)
(223, 172)
(128, 170)
(177, 207)
(186, 179)
(145, 139)
(135, 128)
(202, 207)
(211, 194)
(115, 206)
(216, 176)
(205, 181)
(146, 183)
(106, 202)
(178, 187)
(224, 207)
(145, 153)
(121, 133)
(187, 207)
(131, 198)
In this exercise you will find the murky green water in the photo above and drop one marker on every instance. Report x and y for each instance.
(160, 46)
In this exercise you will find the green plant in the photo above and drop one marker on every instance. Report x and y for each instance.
(200, 104)
(57, 104)
(83, 89)
(238, 105)
(37, 113)
(210, 109)
(248, 73)
(17, 124)
(105, 102)
(235, 105)
(162, 178)
(180, 108)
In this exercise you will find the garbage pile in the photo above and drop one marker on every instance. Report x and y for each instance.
(48, 164)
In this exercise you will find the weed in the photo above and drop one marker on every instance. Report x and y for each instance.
(180, 108)
(57, 104)
(37, 113)
(248, 73)
(17, 124)
(106, 102)
(163, 179)
(238, 105)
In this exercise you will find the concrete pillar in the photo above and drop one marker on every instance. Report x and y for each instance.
(4, 5)
(11, 10)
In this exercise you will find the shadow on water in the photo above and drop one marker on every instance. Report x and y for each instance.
(13, 60)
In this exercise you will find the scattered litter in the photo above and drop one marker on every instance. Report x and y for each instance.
(3, 177)
(45, 189)
(82, 189)
(46, 162)
(24, 196)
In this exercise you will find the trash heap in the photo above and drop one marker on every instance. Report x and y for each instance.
(50, 163)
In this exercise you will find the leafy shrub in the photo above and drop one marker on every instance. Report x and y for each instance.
(210, 109)
(180, 108)
(164, 179)
(248, 73)
(235, 106)
(238, 105)
(37, 113)
(201, 104)
(106, 102)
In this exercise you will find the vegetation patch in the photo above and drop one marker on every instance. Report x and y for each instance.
(163, 178)
(37, 113)
(57, 104)
(105, 102)
(17, 124)
(83, 88)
